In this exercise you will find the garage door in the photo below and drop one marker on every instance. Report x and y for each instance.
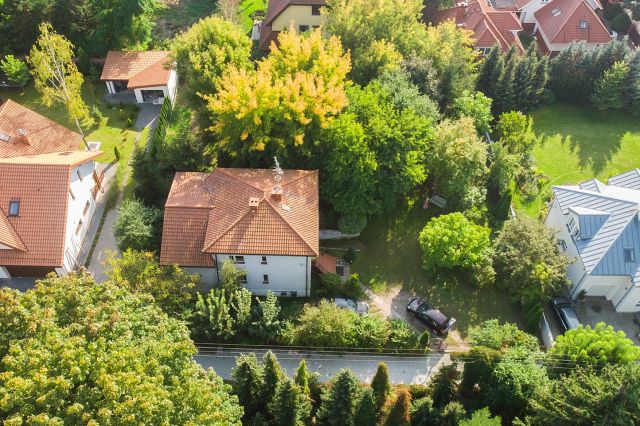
(599, 290)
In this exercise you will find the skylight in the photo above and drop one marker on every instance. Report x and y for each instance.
(4, 137)
(556, 12)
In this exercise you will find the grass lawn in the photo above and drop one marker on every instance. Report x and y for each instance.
(390, 256)
(576, 143)
(112, 131)
(247, 7)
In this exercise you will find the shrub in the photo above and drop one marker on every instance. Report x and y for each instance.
(135, 226)
(352, 225)
(350, 255)
(351, 288)
(16, 70)
(621, 22)
(329, 285)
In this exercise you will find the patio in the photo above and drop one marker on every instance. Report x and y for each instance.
(597, 309)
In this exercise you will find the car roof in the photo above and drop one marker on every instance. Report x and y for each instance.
(570, 317)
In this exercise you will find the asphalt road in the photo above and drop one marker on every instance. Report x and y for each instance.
(405, 369)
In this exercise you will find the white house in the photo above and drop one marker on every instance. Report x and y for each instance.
(598, 225)
(149, 75)
(265, 222)
(303, 15)
(46, 204)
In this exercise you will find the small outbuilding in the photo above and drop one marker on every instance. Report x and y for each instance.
(149, 76)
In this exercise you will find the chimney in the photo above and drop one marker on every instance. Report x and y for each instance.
(253, 204)
(22, 137)
(276, 192)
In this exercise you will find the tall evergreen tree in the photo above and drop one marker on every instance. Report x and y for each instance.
(339, 401)
(609, 91)
(301, 377)
(540, 81)
(631, 91)
(248, 381)
(366, 411)
(485, 82)
(504, 95)
(400, 413)
(523, 79)
(272, 376)
(290, 406)
(381, 385)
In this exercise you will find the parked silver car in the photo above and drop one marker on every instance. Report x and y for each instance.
(356, 306)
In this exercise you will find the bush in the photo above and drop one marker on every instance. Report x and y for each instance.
(612, 10)
(135, 227)
(352, 225)
(351, 288)
(350, 255)
(329, 285)
(621, 22)
(16, 70)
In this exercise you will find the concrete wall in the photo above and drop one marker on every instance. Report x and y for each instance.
(286, 274)
(299, 15)
(81, 183)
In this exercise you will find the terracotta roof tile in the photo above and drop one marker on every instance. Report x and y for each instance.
(560, 21)
(286, 226)
(41, 134)
(8, 235)
(326, 263)
(141, 69)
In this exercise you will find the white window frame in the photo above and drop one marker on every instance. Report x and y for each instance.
(238, 260)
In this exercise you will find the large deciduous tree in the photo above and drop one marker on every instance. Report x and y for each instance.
(452, 242)
(73, 351)
(295, 92)
(56, 76)
(527, 260)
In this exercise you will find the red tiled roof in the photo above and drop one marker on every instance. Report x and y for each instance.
(210, 213)
(490, 26)
(564, 27)
(41, 135)
(141, 69)
(41, 184)
(326, 263)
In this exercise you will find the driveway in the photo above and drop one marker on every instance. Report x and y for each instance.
(415, 369)
(393, 304)
(147, 116)
(596, 309)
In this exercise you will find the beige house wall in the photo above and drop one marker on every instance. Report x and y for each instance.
(299, 15)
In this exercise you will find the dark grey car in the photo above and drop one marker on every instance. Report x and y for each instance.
(435, 320)
(565, 313)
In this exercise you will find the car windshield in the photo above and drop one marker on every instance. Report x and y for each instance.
(352, 305)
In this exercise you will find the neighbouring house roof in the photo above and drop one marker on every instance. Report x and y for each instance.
(326, 263)
(140, 69)
(489, 26)
(41, 185)
(275, 9)
(209, 213)
(560, 21)
(608, 217)
(25, 132)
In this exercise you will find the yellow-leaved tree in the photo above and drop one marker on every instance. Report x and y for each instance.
(292, 94)
(56, 76)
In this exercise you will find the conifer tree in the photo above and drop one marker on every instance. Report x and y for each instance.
(290, 406)
(301, 377)
(366, 411)
(248, 381)
(608, 91)
(523, 79)
(400, 413)
(504, 92)
(540, 81)
(339, 401)
(485, 81)
(381, 385)
(272, 376)
(632, 87)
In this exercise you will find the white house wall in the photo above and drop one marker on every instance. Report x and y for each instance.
(556, 220)
(208, 277)
(172, 85)
(286, 274)
(299, 15)
(629, 302)
(81, 189)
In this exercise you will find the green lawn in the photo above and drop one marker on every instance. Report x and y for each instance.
(390, 256)
(577, 143)
(247, 7)
(112, 130)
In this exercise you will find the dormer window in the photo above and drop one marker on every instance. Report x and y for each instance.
(14, 208)
(629, 255)
(583, 24)
(573, 228)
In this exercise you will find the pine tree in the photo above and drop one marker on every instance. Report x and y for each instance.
(485, 82)
(524, 77)
(381, 385)
(339, 401)
(504, 93)
(290, 406)
(608, 91)
(445, 385)
(272, 376)
(301, 377)
(248, 382)
(400, 413)
(366, 411)
(540, 81)
(632, 88)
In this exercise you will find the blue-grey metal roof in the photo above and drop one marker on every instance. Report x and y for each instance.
(608, 219)
(630, 179)
(592, 185)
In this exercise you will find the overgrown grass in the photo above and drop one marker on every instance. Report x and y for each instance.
(175, 16)
(389, 255)
(577, 143)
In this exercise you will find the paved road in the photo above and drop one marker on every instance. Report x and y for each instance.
(402, 369)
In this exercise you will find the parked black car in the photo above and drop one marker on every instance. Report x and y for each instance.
(435, 320)
(565, 313)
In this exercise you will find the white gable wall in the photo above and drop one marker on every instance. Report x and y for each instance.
(527, 12)
(557, 221)
(81, 189)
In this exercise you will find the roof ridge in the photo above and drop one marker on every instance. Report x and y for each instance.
(305, 175)
(596, 194)
(289, 225)
(224, 171)
(225, 232)
(15, 232)
(613, 241)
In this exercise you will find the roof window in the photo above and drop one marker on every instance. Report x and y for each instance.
(14, 208)
(583, 24)
(556, 12)
(4, 137)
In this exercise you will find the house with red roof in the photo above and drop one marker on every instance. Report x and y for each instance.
(562, 22)
(490, 26)
(265, 222)
(149, 76)
(48, 193)
(304, 15)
